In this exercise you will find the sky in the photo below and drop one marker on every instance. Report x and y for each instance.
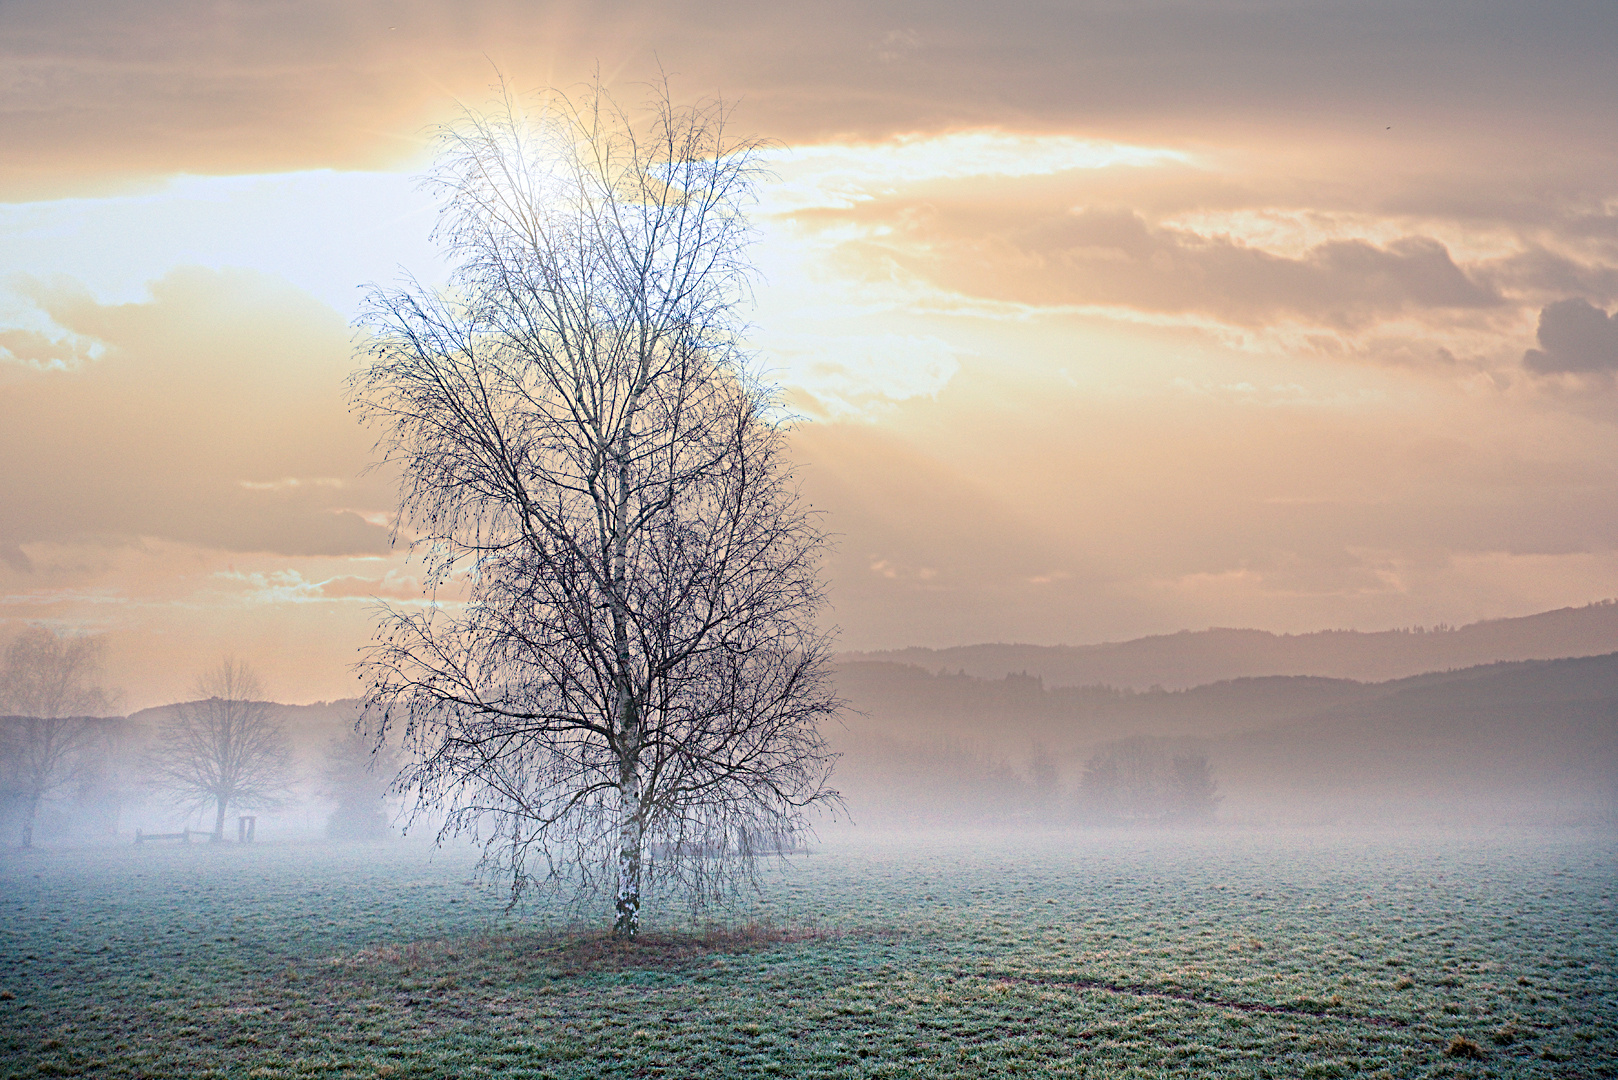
(1104, 319)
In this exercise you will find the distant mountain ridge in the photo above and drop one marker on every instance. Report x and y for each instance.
(1196, 658)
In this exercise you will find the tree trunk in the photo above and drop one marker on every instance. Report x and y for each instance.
(632, 822)
(28, 822)
(219, 824)
(630, 834)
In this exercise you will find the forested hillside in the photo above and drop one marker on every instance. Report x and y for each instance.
(1533, 741)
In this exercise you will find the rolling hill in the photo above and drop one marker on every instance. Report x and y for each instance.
(1194, 658)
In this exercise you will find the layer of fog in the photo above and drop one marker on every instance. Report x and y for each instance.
(1532, 743)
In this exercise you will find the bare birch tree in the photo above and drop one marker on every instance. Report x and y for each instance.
(47, 684)
(631, 695)
(224, 749)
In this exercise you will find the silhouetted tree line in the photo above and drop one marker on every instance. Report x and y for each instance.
(356, 777)
(1138, 781)
(948, 781)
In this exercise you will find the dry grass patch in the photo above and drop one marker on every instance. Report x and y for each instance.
(570, 954)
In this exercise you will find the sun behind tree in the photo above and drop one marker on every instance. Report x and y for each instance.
(637, 671)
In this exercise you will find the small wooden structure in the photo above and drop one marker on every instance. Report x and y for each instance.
(182, 837)
(246, 826)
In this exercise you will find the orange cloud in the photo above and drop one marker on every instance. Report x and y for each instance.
(1043, 511)
(390, 587)
(103, 90)
(1011, 250)
(214, 415)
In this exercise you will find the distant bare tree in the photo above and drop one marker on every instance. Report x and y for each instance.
(47, 685)
(637, 670)
(224, 749)
(1044, 780)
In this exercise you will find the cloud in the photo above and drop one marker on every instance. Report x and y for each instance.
(214, 415)
(1015, 506)
(1541, 274)
(168, 608)
(293, 586)
(1575, 337)
(394, 586)
(842, 175)
(850, 376)
(41, 351)
(103, 89)
(1116, 257)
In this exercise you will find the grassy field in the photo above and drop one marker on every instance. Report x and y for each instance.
(1217, 954)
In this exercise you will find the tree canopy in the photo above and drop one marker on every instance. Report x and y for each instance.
(632, 688)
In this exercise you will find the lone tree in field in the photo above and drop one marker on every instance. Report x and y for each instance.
(47, 696)
(225, 749)
(631, 695)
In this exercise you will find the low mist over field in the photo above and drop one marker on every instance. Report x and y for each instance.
(1503, 741)
(1529, 742)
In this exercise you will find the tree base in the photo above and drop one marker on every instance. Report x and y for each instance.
(627, 925)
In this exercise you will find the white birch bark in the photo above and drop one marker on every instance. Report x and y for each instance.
(630, 837)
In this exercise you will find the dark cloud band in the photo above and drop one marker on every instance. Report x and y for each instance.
(1575, 337)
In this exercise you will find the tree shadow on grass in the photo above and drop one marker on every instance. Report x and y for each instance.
(569, 954)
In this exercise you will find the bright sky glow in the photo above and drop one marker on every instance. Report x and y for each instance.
(1103, 321)
(841, 175)
(325, 231)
